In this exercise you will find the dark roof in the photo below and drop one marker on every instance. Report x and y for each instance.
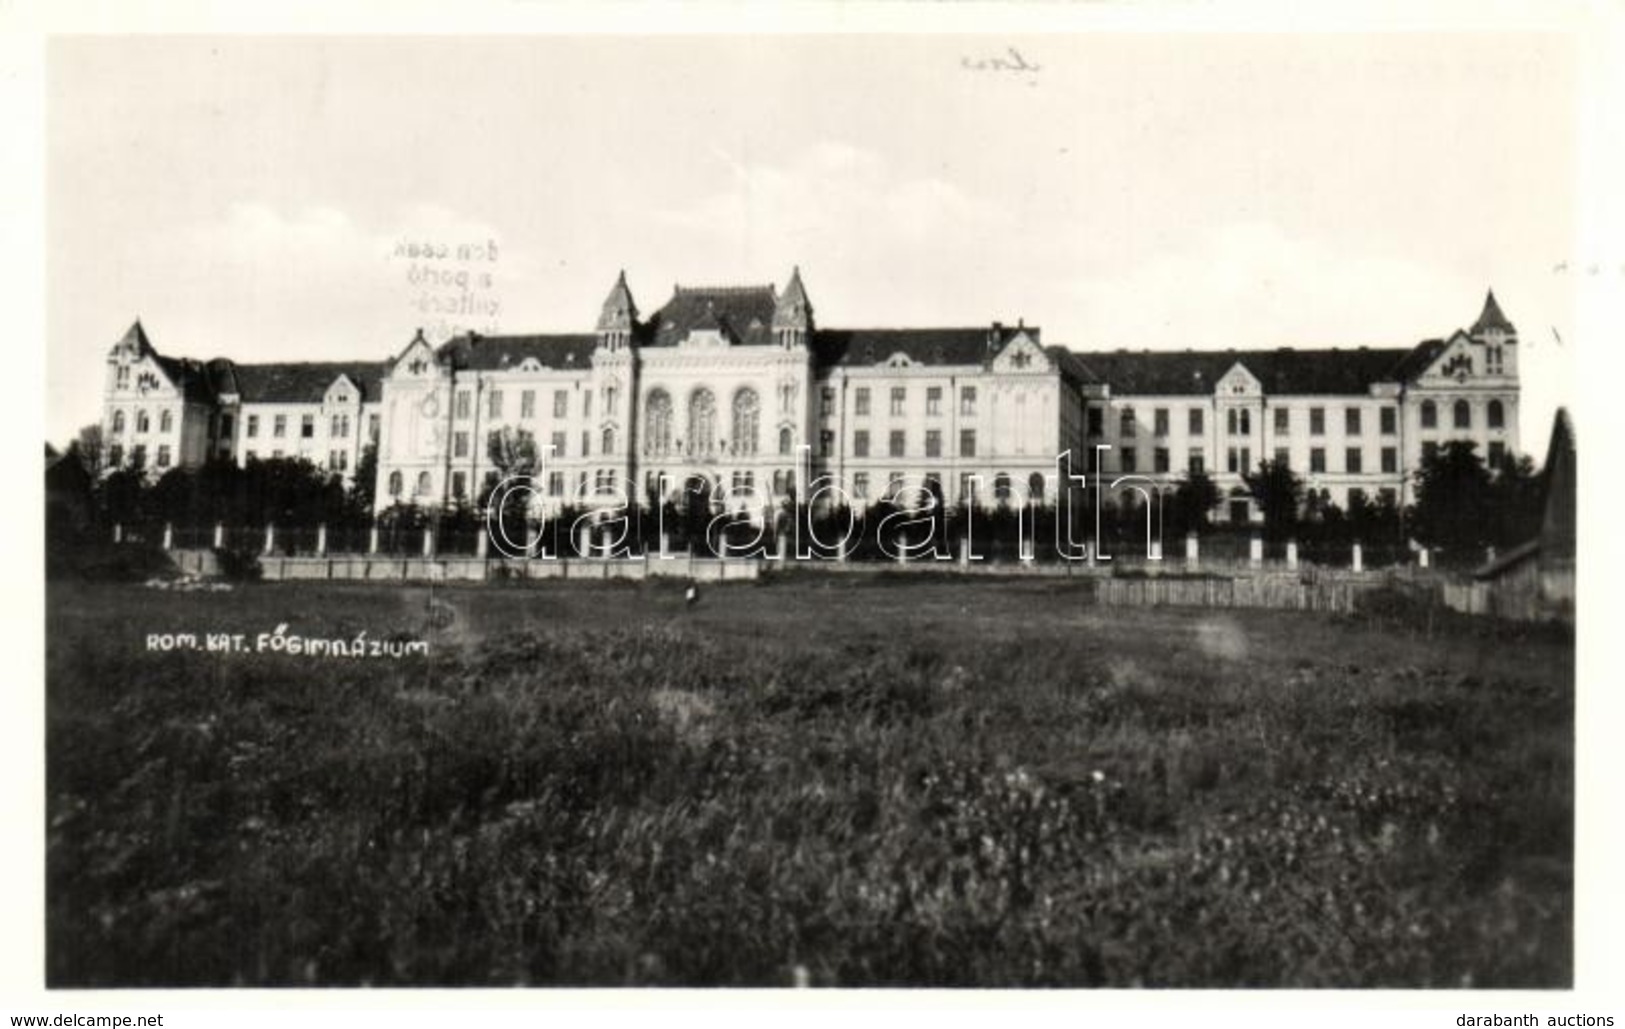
(491, 353)
(1492, 318)
(1419, 358)
(302, 382)
(1197, 372)
(190, 376)
(858, 347)
(744, 313)
(1509, 560)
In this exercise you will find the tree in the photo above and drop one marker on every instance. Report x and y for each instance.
(1195, 497)
(363, 488)
(1517, 501)
(1279, 493)
(517, 459)
(1454, 500)
(90, 447)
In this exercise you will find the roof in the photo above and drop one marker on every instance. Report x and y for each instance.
(961, 346)
(492, 353)
(300, 382)
(1505, 562)
(744, 313)
(1281, 372)
(1492, 318)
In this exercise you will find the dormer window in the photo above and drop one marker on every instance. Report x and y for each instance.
(123, 378)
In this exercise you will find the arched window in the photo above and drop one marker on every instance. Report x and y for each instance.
(609, 441)
(702, 422)
(787, 440)
(1462, 415)
(395, 484)
(165, 421)
(1035, 487)
(142, 424)
(423, 484)
(1430, 415)
(1001, 487)
(657, 415)
(118, 422)
(1497, 415)
(746, 409)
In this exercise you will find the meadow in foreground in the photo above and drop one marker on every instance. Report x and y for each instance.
(846, 783)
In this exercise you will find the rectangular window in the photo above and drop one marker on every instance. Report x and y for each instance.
(1283, 421)
(1430, 450)
(138, 455)
(555, 484)
(464, 405)
(1126, 426)
(115, 455)
(459, 485)
(1389, 420)
(1159, 418)
(967, 400)
(899, 397)
(860, 443)
(1351, 421)
(1356, 499)
(1353, 459)
(1390, 459)
(459, 444)
(586, 443)
(1096, 422)
(894, 444)
(1197, 465)
(163, 455)
(1317, 459)
(1430, 415)
(1130, 458)
(860, 485)
(253, 426)
(494, 404)
(1497, 454)
(933, 443)
(1194, 422)
(1230, 460)
(493, 441)
(933, 400)
(1317, 421)
(586, 403)
(307, 426)
(338, 425)
(828, 396)
(372, 427)
(1159, 459)
(527, 403)
(338, 460)
(561, 403)
(860, 401)
(967, 442)
(826, 443)
(279, 426)
(558, 444)
(1283, 457)
(1239, 421)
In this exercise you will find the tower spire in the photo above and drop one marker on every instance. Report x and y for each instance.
(793, 312)
(619, 315)
(1491, 318)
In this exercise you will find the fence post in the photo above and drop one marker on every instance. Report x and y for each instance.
(428, 541)
(321, 540)
(608, 545)
(665, 545)
(1422, 557)
(902, 548)
(169, 535)
(584, 542)
(1358, 563)
(219, 535)
(118, 532)
(1255, 550)
(481, 542)
(840, 555)
(372, 540)
(783, 546)
(270, 537)
(964, 552)
(1193, 551)
(1292, 554)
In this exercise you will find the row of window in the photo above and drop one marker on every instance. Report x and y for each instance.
(897, 443)
(1238, 421)
(464, 404)
(143, 422)
(1238, 460)
(898, 398)
(493, 439)
(138, 455)
(338, 426)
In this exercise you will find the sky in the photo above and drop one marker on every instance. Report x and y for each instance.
(256, 197)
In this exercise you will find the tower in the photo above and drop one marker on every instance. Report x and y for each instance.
(1498, 337)
(618, 318)
(793, 314)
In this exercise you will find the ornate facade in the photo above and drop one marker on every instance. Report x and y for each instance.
(739, 393)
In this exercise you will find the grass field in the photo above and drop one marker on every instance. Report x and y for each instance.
(837, 781)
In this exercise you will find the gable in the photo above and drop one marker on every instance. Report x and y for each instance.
(1238, 381)
(1022, 354)
(1457, 361)
(417, 361)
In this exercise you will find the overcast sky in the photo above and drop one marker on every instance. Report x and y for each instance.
(246, 196)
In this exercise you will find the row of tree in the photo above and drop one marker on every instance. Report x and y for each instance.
(1461, 507)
